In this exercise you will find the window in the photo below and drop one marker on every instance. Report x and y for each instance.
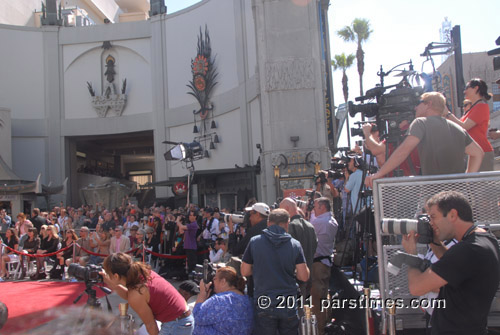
(141, 177)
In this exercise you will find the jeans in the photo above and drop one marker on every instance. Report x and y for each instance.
(181, 327)
(272, 321)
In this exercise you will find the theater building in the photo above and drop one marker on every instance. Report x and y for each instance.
(93, 88)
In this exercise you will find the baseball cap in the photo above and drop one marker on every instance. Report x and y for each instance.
(259, 207)
(190, 286)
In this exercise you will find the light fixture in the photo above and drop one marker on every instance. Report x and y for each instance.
(184, 151)
(213, 125)
(216, 138)
(206, 155)
(212, 146)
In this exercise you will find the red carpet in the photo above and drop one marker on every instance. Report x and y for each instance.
(28, 300)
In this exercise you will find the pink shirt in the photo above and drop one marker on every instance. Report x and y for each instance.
(117, 247)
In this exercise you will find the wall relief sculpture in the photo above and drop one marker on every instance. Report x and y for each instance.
(111, 102)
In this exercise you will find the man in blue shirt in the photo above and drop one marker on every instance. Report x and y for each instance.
(5, 220)
(275, 260)
(353, 184)
(326, 229)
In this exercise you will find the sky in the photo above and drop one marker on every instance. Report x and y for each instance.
(401, 31)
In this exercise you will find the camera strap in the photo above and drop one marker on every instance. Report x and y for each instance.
(469, 231)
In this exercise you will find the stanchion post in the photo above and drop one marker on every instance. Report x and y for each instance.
(143, 251)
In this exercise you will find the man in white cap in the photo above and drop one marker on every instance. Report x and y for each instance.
(258, 222)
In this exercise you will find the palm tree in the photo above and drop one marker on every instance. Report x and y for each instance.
(343, 62)
(359, 31)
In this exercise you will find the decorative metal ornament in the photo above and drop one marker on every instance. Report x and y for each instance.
(204, 75)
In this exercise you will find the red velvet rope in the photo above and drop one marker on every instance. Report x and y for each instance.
(102, 255)
(38, 255)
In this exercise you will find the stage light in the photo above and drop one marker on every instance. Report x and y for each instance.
(184, 151)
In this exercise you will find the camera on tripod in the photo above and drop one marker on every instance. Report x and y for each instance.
(392, 108)
(421, 226)
(205, 272)
(89, 273)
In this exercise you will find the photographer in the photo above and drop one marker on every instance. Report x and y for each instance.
(467, 275)
(409, 167)
(326, 190)
(442, 145)
(5, 219)
(189, 230)
(354, 176)
(149, 295)
(258, 222)
(220, 253)
(228, 311)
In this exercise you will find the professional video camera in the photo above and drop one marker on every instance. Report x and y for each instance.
(393, 107)
(358, 131)
(89, 273)
(205, 272)
(421, 226)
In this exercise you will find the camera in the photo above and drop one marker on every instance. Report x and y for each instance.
(89, 273)
(322, 176)
(237, 218)
(205, 272)
(393, 107)
(421, 226)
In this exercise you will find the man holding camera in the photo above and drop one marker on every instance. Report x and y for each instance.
(442, 145)
(354, 181)
(409, 167)
(467, 275)
(5, 219)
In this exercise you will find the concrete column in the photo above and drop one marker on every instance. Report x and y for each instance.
(6, 136)
(291, 85)
(160, 94)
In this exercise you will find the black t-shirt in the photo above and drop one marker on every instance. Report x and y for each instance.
(472, 270)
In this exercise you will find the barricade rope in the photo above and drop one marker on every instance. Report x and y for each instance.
(97, 254)
(102, 255)
(38, 255)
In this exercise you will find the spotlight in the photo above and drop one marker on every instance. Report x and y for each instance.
(184, 151)
(216, 138)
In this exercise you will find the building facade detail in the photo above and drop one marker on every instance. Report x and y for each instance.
(111, 102)
(289, 74)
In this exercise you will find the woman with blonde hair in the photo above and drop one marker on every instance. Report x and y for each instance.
(49, 244)
(150, 296)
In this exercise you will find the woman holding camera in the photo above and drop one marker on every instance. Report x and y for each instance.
(151, 296)
(211, 313)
